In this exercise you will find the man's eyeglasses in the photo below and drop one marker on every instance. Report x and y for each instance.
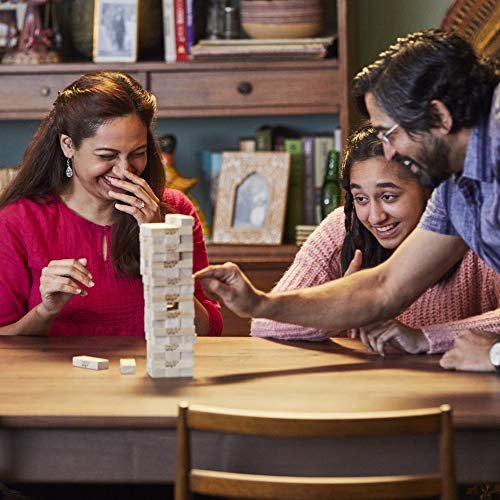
(384, 136)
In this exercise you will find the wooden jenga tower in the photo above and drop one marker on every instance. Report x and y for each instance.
(167, 275)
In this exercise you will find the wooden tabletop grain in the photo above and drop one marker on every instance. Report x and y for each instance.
(39, 387)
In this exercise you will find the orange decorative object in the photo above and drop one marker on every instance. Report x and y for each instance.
(175, 180)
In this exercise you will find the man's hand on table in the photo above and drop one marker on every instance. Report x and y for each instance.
(470, 352)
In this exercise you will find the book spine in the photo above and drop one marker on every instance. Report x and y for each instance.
(169, 30)
(189, 25)
(215, 165)
(322, 145)
(309, 181)
(264, 139)
(294, 206)
(180, 30)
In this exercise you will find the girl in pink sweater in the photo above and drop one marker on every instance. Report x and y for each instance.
(69, 222)
(384, 202)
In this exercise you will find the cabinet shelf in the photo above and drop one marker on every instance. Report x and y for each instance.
(190, 89)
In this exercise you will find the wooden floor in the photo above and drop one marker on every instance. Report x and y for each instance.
(160, 492)
(89, 491)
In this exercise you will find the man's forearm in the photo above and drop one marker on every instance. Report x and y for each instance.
(357, 300)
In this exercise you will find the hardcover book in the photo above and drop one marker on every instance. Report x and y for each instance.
(295, 202)
(180, 31)
(169, 31)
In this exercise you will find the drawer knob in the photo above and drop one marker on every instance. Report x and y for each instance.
(244, 88)
(45, 91)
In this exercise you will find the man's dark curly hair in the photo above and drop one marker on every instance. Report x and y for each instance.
(426, 66)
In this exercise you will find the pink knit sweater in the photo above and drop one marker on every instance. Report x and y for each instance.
(469, 299)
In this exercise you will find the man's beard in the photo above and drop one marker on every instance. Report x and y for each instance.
(432, 162)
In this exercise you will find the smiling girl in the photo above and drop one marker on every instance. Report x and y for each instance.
(69, 222)
(384, 202)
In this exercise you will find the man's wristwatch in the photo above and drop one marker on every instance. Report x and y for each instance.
(495, 355)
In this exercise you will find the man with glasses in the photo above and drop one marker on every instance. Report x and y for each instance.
(437, 109)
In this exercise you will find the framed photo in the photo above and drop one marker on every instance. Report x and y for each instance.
(251, 198)
(11, 23)
(115, 30)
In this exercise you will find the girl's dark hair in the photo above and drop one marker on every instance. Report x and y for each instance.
(426, 66)
(79, 110)
(361, 145)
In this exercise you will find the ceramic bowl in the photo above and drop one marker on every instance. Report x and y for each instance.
(282, 18)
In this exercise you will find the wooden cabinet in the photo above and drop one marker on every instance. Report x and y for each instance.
(257, 88)
(28, 92)
(188, 89)
(264, 265)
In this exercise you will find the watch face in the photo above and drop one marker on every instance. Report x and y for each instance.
(495, 354)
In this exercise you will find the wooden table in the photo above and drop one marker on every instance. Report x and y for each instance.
(59, 423)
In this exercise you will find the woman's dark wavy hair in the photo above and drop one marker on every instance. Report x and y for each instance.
(79, 110)
(425, 66)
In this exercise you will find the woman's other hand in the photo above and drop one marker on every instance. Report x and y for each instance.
(59, 282)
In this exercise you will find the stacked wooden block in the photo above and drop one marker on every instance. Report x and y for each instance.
(167, 275)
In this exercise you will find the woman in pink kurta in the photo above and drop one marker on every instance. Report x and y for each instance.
(383, 205)
(69, 222)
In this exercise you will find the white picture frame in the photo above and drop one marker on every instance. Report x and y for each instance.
(115, 30)
(251, 198)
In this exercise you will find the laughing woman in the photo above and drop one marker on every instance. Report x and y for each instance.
(69, 222)
(384, 202)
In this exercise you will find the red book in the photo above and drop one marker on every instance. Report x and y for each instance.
(180, 30)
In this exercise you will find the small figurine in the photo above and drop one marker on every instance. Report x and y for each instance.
(39, 41)
(174, 179)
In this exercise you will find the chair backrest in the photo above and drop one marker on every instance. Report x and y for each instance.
(305, 425)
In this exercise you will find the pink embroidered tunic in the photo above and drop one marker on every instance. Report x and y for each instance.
(469, 299)
(33, 234)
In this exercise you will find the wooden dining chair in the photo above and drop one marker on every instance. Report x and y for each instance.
(303, 425)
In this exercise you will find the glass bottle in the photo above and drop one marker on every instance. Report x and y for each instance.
(331, 191)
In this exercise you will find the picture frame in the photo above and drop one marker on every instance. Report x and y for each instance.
(251, 198)
(11, 23)
(116, 27)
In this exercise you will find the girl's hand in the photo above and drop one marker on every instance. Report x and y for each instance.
(139, 200)
(398, 335)
(61, 280)
(354, 267)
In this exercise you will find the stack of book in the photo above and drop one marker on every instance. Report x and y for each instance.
(300, 48)
(179, 26)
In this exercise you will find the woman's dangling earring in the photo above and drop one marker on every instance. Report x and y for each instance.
(69, 169)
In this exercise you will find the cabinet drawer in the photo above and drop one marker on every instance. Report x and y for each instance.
(29, 95)
(212, 93)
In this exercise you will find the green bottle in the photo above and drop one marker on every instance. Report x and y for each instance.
(331, 191)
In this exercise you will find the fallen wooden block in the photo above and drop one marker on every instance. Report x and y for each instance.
(127, 366)
(90, 362)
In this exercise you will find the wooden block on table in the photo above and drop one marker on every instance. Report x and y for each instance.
(179, 220)
(172, 341)
(127, 366)
(152, 282)
(156, 229)
(90, 362)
